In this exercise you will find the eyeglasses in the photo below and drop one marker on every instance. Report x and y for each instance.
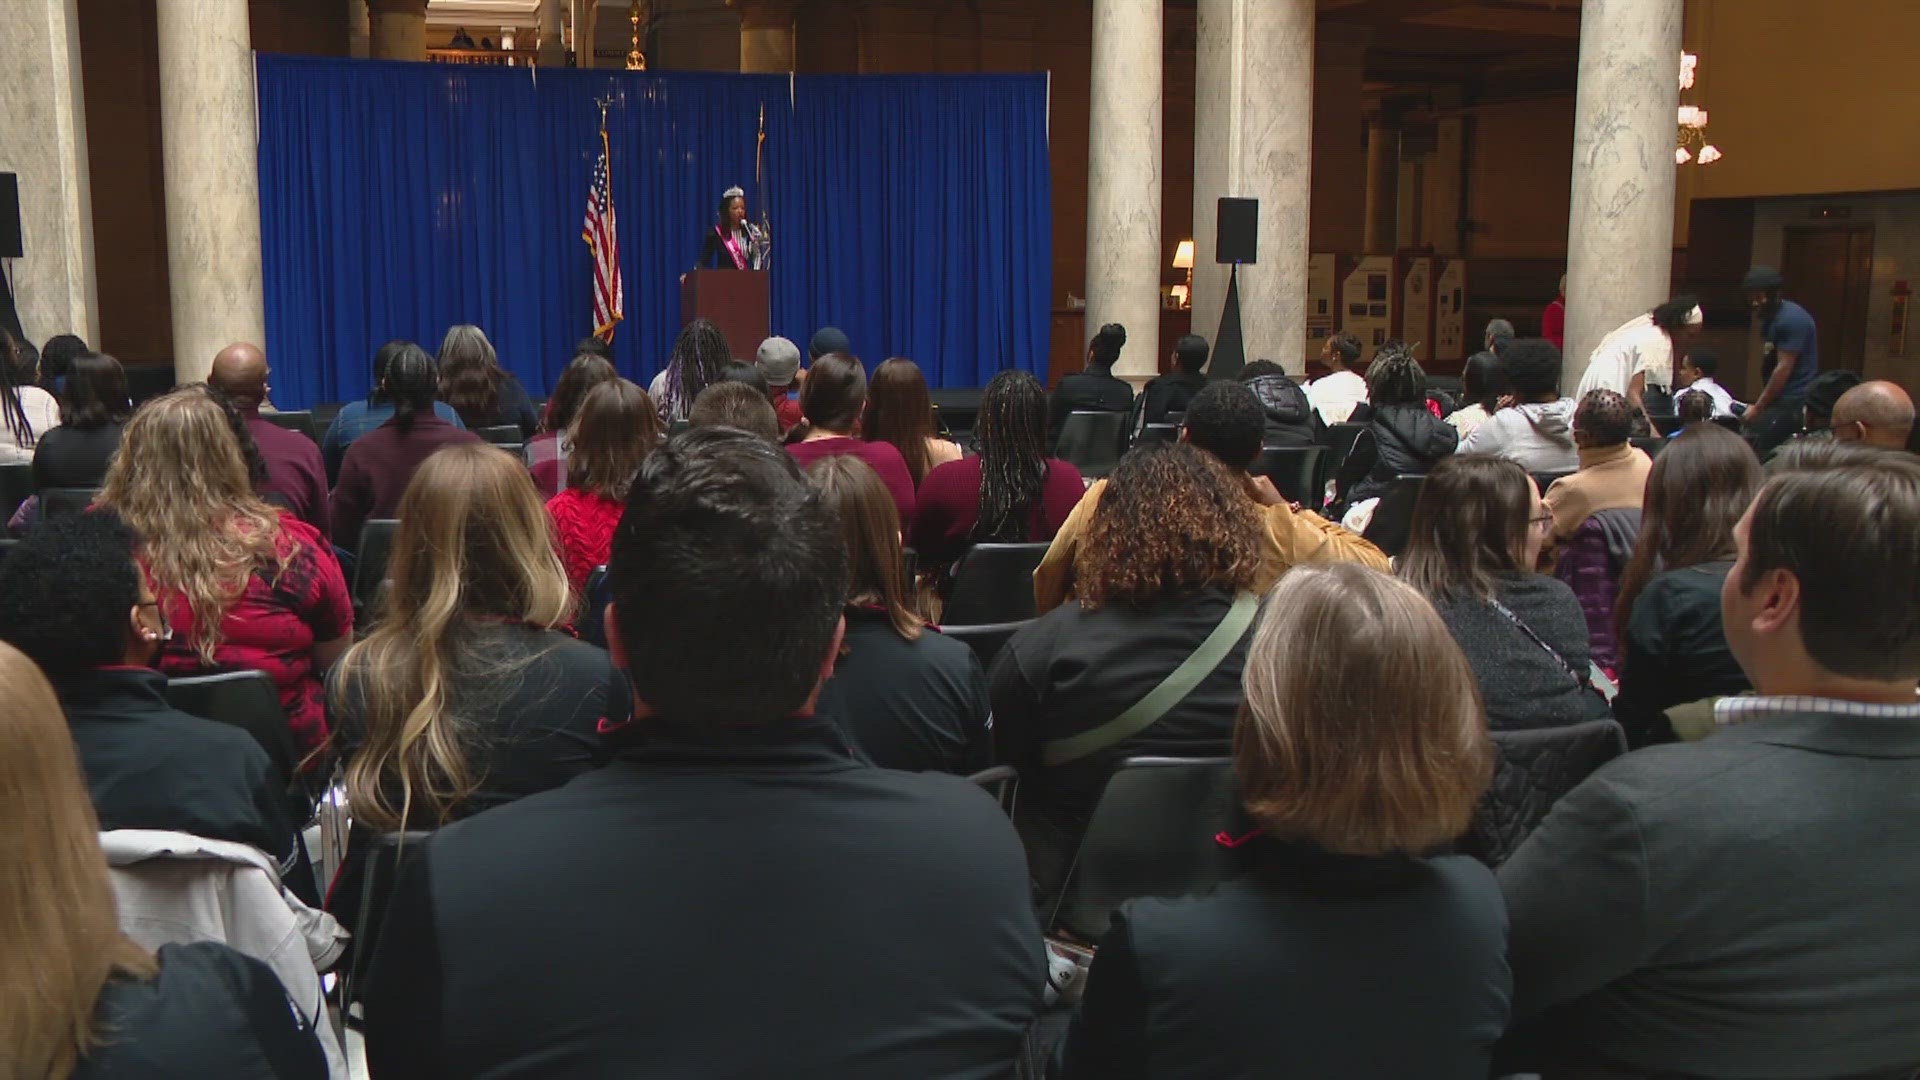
(1541, 521)
(166, 628)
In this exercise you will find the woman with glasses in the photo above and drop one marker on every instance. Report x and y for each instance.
(1476, 536)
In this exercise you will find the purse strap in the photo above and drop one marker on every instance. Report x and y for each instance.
(1579, 680)
(1161, 699)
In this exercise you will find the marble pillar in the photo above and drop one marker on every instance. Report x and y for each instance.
(398, 29)
(1620, 230)
(1253, 138)
(583, 31)
(766, 36)
(209, 154)
(553, 41)
(1383, 187)
(359, 30)
(1123, 180)
(43, 139)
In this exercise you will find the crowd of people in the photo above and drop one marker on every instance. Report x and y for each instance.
(740, 836)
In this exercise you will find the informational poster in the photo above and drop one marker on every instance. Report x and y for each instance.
(1321, 299)
(1450, 313)
(1366, 302)
(1416, 306)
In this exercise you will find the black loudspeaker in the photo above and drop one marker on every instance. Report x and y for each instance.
(1237, 239)
(10, 217)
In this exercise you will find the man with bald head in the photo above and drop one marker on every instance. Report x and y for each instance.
(296, 476)
(1877, 413)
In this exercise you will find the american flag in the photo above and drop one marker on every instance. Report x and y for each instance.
(603, 239)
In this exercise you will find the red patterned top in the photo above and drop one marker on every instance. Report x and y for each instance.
(273, 627)
(584, 522)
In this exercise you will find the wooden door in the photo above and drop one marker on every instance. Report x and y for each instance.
(1828, 270)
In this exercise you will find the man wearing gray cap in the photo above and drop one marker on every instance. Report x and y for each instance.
(779, 360)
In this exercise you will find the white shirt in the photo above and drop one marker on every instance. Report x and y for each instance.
(43, 415)
(1468, 420)
(1634, 347)
(1334, 396)
(1722, 400)
(1521, 434)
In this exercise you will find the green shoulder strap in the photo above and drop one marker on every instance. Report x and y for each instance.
(1161, 699)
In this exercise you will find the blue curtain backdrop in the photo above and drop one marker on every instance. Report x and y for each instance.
(914, 212)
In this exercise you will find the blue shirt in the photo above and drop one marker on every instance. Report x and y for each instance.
(1792, 331)
(359, 417)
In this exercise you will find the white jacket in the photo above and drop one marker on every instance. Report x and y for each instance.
(174, 888)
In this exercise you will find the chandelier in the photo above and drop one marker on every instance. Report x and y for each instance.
(636, 14)
(1690, 141)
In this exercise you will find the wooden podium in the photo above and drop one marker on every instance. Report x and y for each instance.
(734, 300)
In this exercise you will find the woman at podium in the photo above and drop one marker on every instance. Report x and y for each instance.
(732, 242)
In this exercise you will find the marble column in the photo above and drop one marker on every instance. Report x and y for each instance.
(43, 139)
(398, 29)
(1123, 180)
(1383, 186)
(1620, 230)
(766, 36)
(583, 31)
(553, 41)
(359, 30)
(1253, 138)
(209, 154)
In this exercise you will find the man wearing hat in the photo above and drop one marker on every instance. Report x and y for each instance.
(1641, 353)
(779, 360)
(1790, 359)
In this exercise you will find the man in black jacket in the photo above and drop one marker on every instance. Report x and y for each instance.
(1743, 907)
(1173, 392)
(734, 895)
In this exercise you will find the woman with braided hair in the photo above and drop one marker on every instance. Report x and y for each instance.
(26, 411)
(700, 356)
(1012, 493)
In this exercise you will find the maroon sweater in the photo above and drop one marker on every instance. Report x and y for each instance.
(882, 456)
(950, 505)
(378, 467)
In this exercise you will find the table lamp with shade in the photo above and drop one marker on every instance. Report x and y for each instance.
(1183, 260)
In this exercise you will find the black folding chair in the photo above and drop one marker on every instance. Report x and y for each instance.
(1545, 479)
(64, 502)
(1339, 440)
(1154, 433)
(16, 487)
(1652, 446)
(986, 641)
(1295, 472)
(378, 877)
(593, 607)
(1151, 834)
(994, 584)
(1003, 782)
(1666, 425)
(247, 700)
(1731, 423)
(1533, 768)
(1091, 441)
(1392, 519)
(370, 566)
(300, 420)
(501, 434)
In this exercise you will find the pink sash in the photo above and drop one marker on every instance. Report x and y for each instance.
(732, 246)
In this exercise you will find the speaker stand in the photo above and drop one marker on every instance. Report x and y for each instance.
(1229, 351)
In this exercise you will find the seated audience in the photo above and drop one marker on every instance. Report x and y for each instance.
(1291, 419)
(79, 999)
(56, 360)
(75, 602)
(1498, 336)
(356, 418)
(1172, 553)
(906, 697)
(26, 411)
(1476, 535)
(735, 405)
(379, 465)
(1877, 413)
(900, 412)
(296, 477)
(902, 942)
(1534, 425)
(1406, 438)
(1356, 945)
(700, 357)
(826, 340)
(1667, 618)
(1484, 382)
(1596, 513)
(547, 452)
(1692, 409)
(1094, 389)
(779, 362)
(594, 345)
(833, 400)
(1696, 375)
(478, 388)
(1702, 910)
(615, 430)
(1168, 394)
(93, 410)
(1225, 421)
(1638, 356)
(1336, 394)
(1012, 493)
(245, 586)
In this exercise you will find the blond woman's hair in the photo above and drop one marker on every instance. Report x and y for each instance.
(59, 930)
(1362, 731)
(180, 481)
(474, 546)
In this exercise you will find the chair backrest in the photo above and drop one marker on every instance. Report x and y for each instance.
(1152, 834)
(1731, 423)
(1651, 445)
(378, 875)
(300, 420)
(1533, 768)
(678, 426)
(63, 502)
(245, 699)
(1545, 479)
(1392, 519)
(994, 584)
(1666, 425)
(594, 601)
(1003, 782)
(16, 487)
(987, 640)
(1295, 471)
(370, 566)
(500, 434)
(1154, 433)
(1091, 441)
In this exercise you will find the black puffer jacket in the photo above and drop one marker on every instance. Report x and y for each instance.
(1406, 440)
(1291, 420)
